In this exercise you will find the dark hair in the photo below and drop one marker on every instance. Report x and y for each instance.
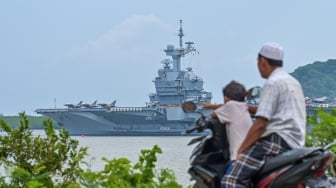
(235, 91)
(272, 62)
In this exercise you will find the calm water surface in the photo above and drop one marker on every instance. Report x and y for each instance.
(175, 154)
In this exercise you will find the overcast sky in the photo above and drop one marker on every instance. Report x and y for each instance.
(57, 52)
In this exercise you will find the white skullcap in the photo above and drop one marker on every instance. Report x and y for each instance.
(272, 51)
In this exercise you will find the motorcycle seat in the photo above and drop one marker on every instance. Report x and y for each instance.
(284, 159)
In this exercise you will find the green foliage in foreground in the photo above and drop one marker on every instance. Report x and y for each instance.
(56, 160)
(35, 161)
(120, 173)
(323, 131)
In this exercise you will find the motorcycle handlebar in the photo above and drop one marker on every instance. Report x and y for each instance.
(191, 130)
(201, 124)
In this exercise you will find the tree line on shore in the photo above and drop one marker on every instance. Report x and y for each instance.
(318, 79)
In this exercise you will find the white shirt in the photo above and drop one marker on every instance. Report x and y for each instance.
(282, 102)
(238, 122)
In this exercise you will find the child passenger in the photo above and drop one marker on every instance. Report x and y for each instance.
(234, 114)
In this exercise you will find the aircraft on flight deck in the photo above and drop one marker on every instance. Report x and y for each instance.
(93, 105)
(74, 105)
(108, 106)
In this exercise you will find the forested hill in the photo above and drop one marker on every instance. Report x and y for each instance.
(318, 79)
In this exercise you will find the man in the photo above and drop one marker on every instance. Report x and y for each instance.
(280, 119)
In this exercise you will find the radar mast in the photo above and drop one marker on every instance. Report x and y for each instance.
(181, 34)
(177, 53)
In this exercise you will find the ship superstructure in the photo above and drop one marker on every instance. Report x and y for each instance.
(162, 115)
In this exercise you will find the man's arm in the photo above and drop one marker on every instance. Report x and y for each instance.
(211, 106)
(255, 132)
(252, 109)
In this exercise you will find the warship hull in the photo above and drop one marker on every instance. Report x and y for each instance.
(123, 121)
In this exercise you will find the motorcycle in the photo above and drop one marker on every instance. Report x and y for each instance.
(304, 167)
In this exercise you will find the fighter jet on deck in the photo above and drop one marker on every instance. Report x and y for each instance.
(108, 106)
(93, 105)
(74, 105)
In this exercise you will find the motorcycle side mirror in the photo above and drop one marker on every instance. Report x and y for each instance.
(254, 92)
(189, 106)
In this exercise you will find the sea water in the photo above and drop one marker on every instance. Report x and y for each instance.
(175, 152)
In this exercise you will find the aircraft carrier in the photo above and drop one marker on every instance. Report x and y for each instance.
(161, 116)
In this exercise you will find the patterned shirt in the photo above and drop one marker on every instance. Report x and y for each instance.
(282, 103)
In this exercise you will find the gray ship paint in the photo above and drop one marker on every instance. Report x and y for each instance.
(162, 115)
